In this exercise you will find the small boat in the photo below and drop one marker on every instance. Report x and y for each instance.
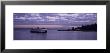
(38, 31)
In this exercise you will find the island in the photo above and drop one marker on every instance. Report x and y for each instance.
(91, 27)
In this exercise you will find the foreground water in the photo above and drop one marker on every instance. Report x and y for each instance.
(24, 34)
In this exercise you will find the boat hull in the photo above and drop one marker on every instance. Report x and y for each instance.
(38, 31)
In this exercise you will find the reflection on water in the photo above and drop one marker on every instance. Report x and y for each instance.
(24, 34)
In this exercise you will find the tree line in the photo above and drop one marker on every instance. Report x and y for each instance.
(92, 27)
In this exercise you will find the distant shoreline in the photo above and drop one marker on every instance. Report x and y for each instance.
(35, 26)
(91, 27)
(76, 30)
(57, 30)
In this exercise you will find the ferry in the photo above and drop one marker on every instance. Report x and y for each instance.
(38, 30)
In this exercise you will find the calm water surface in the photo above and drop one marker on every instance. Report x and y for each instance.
(24, 34)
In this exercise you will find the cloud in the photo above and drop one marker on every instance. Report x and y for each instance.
(63, 18)
(34, 14)
(51, 18)
(57, 17)
(65, 14)
(22, 18)
(74, 15)
(82, 21)
(89, 14)
(62, 14)
(41, 20)
(39, 17)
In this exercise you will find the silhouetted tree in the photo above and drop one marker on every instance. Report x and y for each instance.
(92, 27)
(73, 28)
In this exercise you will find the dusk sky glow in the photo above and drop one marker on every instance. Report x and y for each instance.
(55, 18)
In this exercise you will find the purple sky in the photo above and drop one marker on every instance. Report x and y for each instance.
(54, 18)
